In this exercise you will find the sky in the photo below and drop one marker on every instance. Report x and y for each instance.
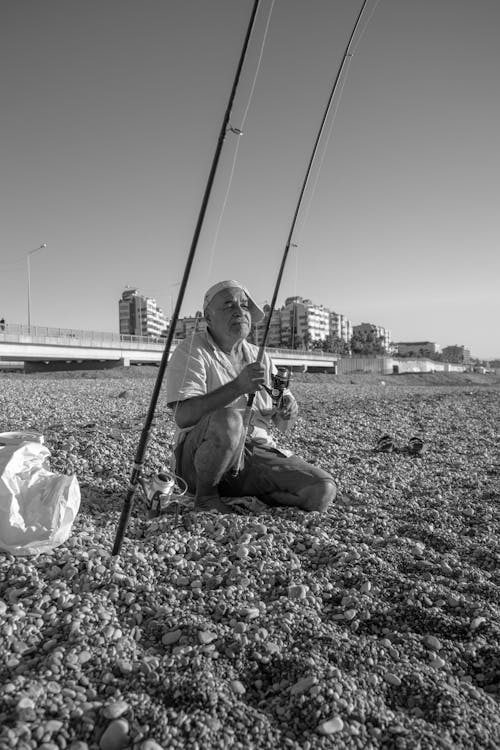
(109, 119)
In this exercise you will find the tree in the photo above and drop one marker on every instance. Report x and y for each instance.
(333, 343)
(367, 343)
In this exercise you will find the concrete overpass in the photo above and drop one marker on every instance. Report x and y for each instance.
(46, 349)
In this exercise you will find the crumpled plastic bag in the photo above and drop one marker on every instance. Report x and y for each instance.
(37, 507)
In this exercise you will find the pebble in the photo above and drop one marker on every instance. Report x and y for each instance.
(477, 622)
(302, 685)
(299, 591)
(115, 736)
(432, 643)
(437, 662)
(393, 679)
(238, 687)
(206, 636)
(331, 726)
(115, 710)
(172, 637)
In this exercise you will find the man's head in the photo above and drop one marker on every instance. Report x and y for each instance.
(230, 311)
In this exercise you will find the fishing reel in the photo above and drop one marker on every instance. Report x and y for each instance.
(162, 493)
(280, 381)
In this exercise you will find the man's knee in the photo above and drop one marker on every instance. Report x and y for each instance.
(226, 426)
(320, 495)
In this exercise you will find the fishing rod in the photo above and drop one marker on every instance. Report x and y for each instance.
(143, 441)
(346, 56)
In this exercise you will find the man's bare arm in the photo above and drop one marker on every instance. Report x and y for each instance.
(188, 412)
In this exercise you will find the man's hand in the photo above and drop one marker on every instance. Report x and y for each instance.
(251, 378)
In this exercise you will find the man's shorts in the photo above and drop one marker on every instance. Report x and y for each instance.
(265, 470)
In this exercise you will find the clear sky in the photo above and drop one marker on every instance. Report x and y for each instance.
(110, 113)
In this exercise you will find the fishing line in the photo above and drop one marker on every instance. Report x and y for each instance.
(238, 132)
(312, 191)
(356, 44)
(143, 441)
(260, 356)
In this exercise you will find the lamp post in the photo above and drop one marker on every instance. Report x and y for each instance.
(29, 254)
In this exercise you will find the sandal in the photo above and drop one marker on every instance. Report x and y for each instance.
(385, 444)
(415, 446)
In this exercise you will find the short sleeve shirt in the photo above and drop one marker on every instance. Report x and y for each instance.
(198, 366)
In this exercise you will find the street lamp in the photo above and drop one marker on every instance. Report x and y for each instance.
(29, 254)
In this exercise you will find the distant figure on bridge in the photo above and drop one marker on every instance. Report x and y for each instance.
(208, 379)
(2, 324)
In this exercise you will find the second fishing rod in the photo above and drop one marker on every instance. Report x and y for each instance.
(344, 61)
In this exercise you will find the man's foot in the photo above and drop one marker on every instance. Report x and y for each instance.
(211, 504)
(229, 505)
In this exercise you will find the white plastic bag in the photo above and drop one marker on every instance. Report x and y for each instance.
(37, 507)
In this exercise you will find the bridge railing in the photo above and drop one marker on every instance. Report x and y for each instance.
(20, 333)
(17, 332)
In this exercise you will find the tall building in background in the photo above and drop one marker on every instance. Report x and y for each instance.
(383, 334)
(301, 324)
(187, 327)
(456, 354)
(303, 320)
(140, 315)
(340, 327)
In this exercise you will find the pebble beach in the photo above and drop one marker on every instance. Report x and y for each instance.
(374, 625)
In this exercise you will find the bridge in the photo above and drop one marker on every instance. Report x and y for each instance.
(38, 349)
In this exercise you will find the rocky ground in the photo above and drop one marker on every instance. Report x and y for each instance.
(375, 625)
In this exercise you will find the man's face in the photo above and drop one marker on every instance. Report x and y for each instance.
(228, 315)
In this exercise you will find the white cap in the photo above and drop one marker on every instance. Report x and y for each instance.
(255, 311)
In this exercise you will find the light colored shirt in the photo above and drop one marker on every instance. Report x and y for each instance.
(198, 366)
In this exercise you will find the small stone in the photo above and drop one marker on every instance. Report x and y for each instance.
(238, 687)
(392, 679)
(53, 725)
(115, 736)
(477, 622)
(298, 591)
(302, 685)
(251, 612)
(172, 637)
(115, 710)
(366, 587)
(331, 726)
(151, 745)
(25, 703)
(206, 636)
(350, 614)
(432, 643)
(437, 662)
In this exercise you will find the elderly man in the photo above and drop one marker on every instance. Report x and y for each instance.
(209, 378)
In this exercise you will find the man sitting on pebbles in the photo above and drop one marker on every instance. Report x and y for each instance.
(208, 379)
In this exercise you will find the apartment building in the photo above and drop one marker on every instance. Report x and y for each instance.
(188, 326)
(457, 354)
(301, 319)
(274, 338)
(340, 327)
(140, 315)
(382, 333)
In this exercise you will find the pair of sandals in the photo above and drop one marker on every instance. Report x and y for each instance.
(386, 444)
